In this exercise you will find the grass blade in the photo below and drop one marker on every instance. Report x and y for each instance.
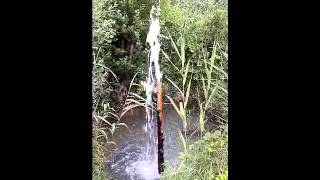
(185, 75)
(211, 95)
(175, 86)
(184, 119)
(175, 47)
(113, 128)
(201, 118)
(132, 81)
(187, 93)
(136, 95)
(104, 134)
(175, 107)
(123, 124)
(218, 69)
(167, 57)
(103, 119)
(126, 109)
(135, 102)
(204, 88)
(111, 142)
(113, 114)
(183, 141)
(183, 56)
(114, 75)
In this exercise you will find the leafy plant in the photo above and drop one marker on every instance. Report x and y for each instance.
(197, 65)
(133, 100)
(209, 86)
(223, 176)
(209, 162)
(200, 22)
(184, 71)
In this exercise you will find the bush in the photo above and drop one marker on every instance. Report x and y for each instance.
(206, 158)
(105, 13)
(199, 29)
(98, 171)
(201, 24)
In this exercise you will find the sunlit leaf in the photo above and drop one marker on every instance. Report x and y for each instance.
(176, 87)
(187, 93)
(175, 47)
(167, 57)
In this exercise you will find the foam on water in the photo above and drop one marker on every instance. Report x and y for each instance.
(128, 161)
(144, 169)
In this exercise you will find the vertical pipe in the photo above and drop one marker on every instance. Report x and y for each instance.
(160, 127)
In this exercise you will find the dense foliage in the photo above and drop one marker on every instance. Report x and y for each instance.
(194, 48)
(199, 23)
(120, 31)
(209, 162)
(200, 30)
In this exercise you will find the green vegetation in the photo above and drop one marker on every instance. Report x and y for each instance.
(198, 58)
(209, 161)
(194, 62)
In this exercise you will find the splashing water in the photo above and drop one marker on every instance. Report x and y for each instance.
(142, 162)
(153, 57)
(128, 161)
(154, 77)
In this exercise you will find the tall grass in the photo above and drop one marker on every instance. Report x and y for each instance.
(210, 87)
(105, 120)
(133, 100)
(206, 158)
(185, 72)
(211, 158)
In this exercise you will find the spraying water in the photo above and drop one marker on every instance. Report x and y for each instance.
(154, 94)
(146, 163)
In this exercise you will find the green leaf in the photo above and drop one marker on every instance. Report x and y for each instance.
(183, 141)
(201, 117)
(210, 149)
(175, 86)
(103, 119)
(218, 69)
(211, 95)
(132, 81)
(175, 47)
(187, 93)
(114, 75)
(167, 57)
(184, 120)
(183, 56)
(185, 75)
(175, 107)
(204, 88)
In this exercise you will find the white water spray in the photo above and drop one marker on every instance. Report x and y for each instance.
(154, 76)
(146, 166)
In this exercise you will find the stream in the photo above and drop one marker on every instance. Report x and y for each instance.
(128, 162)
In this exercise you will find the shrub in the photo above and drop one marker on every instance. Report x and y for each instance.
(200, 24)
(206, 158)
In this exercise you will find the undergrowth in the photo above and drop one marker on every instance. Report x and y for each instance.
(195, 63)
(204, 159)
